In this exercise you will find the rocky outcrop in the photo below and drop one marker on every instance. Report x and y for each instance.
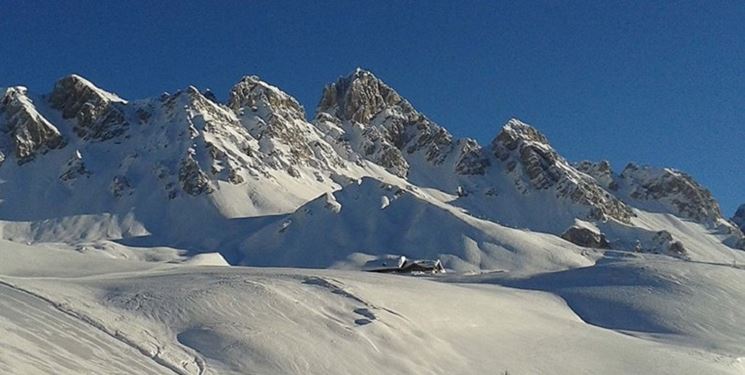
(601, 172)
(675, 191)
(739, 218)
(527, 157)
(278, 122)
(97, 113)
(663, 242)
(381, 125)
(472, 158)
(74, 168)
(30, 134)
(586, 237)
(193, 180)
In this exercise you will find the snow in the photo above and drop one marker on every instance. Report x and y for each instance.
(414, 225)
(118, 268)
(160, 318)
(102, 93)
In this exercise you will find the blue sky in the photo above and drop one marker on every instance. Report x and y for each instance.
(659, 83)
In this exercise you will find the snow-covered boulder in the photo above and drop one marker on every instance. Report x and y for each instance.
(586, 236)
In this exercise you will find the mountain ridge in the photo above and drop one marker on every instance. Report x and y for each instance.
(184, 164)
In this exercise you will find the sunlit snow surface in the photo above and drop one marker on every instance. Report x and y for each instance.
(63, 312)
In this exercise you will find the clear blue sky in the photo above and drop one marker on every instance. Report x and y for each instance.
(660, 84)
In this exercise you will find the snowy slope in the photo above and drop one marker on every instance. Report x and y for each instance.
(160, 318)
(350, 226)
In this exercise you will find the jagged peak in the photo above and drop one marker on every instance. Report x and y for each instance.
(14, 90)
(189, 96)
(251, 92)
(526, 154)
(676, 190)
(515, 130)
(80, 85)
(361, 72)
(360, 96)
(97, 113)
(30, 133)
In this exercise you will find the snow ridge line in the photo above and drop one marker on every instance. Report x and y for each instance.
(115, 334)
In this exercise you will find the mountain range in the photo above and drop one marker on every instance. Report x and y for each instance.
(142, 236)
(368, 176)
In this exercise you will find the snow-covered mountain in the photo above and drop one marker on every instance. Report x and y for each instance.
(184, 170)
(118, 219)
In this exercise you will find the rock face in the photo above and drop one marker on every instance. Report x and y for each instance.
(533, 164)
(74, 168)
(29, 132)
(278, 122)
(601, 172)
(676, 191)
(97, 113)
(193, 180)
(372, 119)
(209, 141)
(472, 159)
(739, 218)
(586, 237)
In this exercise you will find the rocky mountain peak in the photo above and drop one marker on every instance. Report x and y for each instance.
(674, 190)
(533, 164)
(359, 97)
(277, 121)
(72, 92)
(253, 94)
(97, 113)
(515, 131)
(739, 217)
(373, 120)
(29, 133)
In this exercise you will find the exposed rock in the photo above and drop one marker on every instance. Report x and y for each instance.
(527, 156)
(74, 168)
(277, 120)
(120, 186)
(210, 96)
(253, 94)
(378, 123)
(601, 172)
(586, 237)
(674, 190)
(739, 218)
(29, 132)
(193, 180)
(97, 113)
(472, 160)
(663, 242)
